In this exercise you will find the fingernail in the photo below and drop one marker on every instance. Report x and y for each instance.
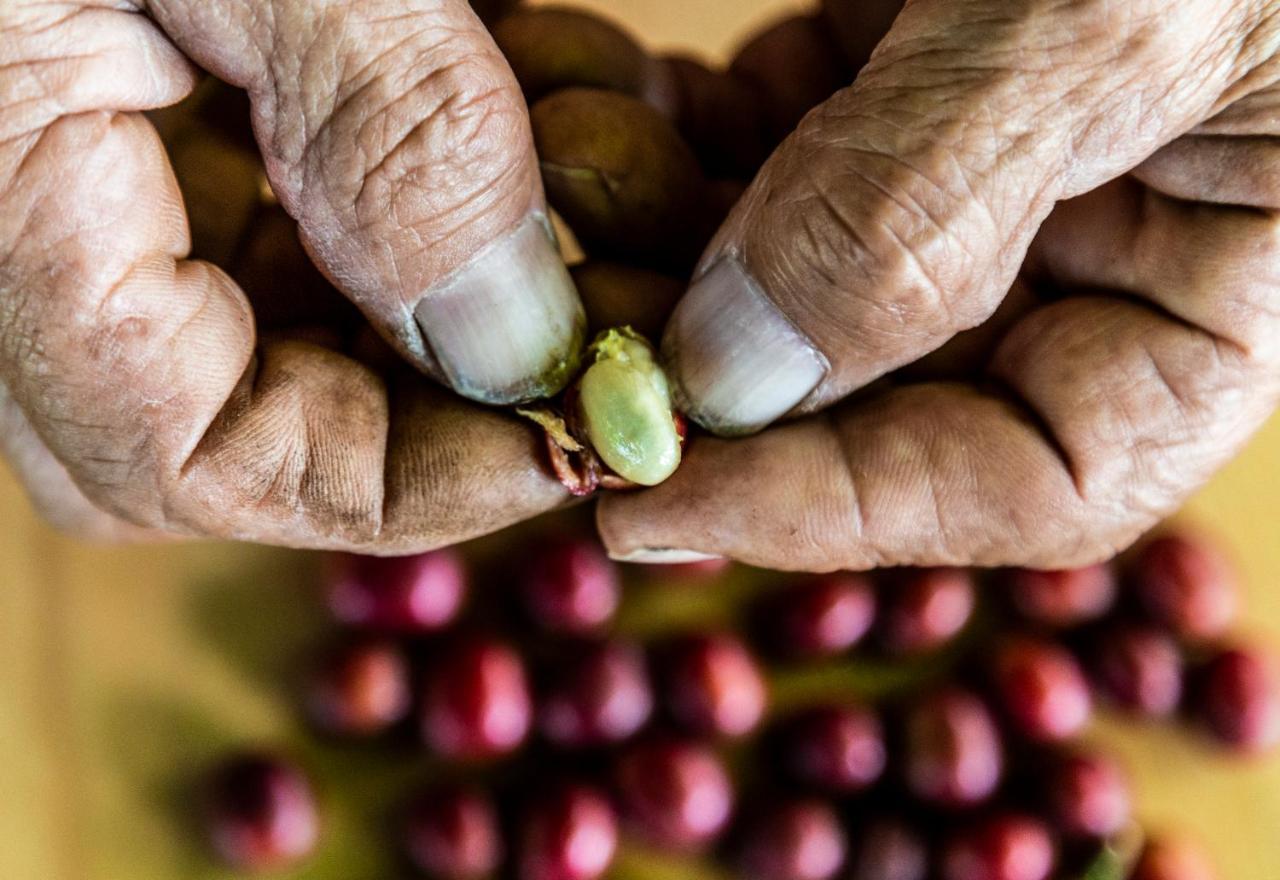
(665, 556)
(508, 327)
(738, 363)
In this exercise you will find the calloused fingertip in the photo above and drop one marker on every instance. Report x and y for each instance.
(508, 327)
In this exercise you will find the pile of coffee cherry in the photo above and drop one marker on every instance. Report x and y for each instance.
(898, 725)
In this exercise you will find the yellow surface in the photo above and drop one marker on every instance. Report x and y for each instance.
(123, 669)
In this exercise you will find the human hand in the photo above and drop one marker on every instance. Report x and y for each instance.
(1120, 158)
(138, 398)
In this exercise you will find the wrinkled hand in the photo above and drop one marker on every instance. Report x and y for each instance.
(136, 397)
(1118, 159)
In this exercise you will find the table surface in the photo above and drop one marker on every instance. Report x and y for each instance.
(124, 669)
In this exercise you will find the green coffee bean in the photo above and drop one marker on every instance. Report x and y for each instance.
(625, 409)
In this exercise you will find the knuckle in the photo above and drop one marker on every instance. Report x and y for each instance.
(890, 230)
(429, 138)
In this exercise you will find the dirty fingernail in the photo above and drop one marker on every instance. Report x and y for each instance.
(508, 327)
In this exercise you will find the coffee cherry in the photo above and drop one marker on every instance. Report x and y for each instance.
(626, 411)
(926, 610)
(407, 594)
(719, 115)
(550, 49)
(360, 690)
(453, 834)
(1007, 847)
(953, 756)
(618, 295)
(889, 849)
(1186, 584)
(1089, 796)
(1139, 669)
(572, 835)
(823, 617)
(571, 587)
(1167, 858)
(799, 840)
(603, 697)
(714, 686)
(677, 794)
(1062, 599)
(1042, 689)
(260, 813)
(477, 702)
(836, 749)
(1239, 699)
(793, 67)
(859, 27)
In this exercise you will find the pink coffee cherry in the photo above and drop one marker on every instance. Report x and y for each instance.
(405, 594)
(477, 703)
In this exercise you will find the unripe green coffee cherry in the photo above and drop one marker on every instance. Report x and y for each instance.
(625, 408)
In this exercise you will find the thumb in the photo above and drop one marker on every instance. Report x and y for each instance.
(395, 133)
(899, 212)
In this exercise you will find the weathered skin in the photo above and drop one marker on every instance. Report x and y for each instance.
(139, 399)
(901, 212)
(1087, 147)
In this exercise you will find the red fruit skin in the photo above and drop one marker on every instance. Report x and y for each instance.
(823, 617)
(361, 690)
(1089, 797)
(604, 698)
(714, 685)
(573, 835)
(1063, 599)
(677, 795)
(835, 749)
(799, 840)
(571, 587)
(1239, 699)
(1008, 847)
(405, 594)
(1139, 669)
(1042, 689)
(1186, 584)
(1173, 859)
(953, 756)
(260, 813)
(454, 834)
(477, 703)
(926, 610)
(890, 850)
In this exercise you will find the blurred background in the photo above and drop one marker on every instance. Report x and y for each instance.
(124, 670)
